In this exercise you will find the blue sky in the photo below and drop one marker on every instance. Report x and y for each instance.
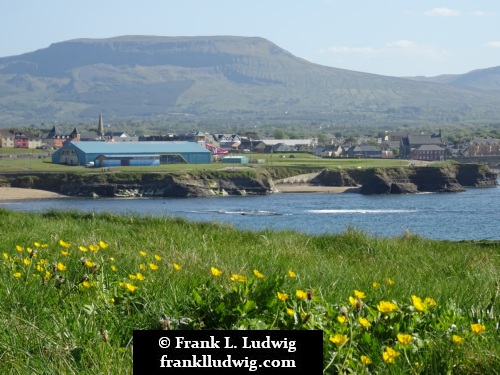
(388, 37)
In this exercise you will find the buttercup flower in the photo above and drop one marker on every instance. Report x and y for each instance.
(132, 277)
(37, 244)
(375, 285)
(282, 296)
(386, 307)
(83, 248)
(61, 267)
(140, 276)
(477, 328)
(417, 302)
(177, 267)
(353, 301)
(366, 360)
(364, 322)
(27, 262)
(457, 339)
(103, 244)
(17, 274)
(94, 248)
(87, 284)
(113, 268)
(64, 253)
(19, 248)
(390, 355)
(258, 274)
(430, 302)
(64, 244)
(215, 272)
(359, 294)
(301, 294)
(292, 274)
(143, 253)
(143, 267)
(131, 288)
(342, 319)
(338, 339)
(236, 277)
(89, 263)
(157, 257)
(290, 311)
(153, 266)
(404, 338)
(389, 281)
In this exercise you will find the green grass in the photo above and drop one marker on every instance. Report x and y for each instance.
(30, 162)
(47, 326)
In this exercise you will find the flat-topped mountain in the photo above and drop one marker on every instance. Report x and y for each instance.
(220, 79)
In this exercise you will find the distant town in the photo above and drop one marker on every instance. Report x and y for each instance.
(146, 150)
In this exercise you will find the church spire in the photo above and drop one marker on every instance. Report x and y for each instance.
(100, 127)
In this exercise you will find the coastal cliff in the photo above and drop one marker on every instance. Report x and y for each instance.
(250, 181)
(452, 178)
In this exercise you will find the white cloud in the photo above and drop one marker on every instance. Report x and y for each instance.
(494, 44)
(397, 49)
(479, 13)
(443, 12)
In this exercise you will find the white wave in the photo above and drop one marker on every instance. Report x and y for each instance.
(359, 211)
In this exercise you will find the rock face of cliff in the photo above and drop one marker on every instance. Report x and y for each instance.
(150, 184)
(412, 179)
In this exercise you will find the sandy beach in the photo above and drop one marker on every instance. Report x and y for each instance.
(8, 193)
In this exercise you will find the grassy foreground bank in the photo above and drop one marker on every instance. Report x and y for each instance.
(73, 287)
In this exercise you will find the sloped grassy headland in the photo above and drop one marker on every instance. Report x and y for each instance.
(74, 286)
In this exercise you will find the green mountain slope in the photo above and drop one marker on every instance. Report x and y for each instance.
(218, 79)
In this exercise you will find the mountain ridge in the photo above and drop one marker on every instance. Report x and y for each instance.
(220, 79)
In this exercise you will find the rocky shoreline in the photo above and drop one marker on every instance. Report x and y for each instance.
(405, 180)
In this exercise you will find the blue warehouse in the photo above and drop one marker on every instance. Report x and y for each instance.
(111, 154)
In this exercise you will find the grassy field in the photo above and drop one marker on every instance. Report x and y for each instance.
(36, 160)
(74, 286)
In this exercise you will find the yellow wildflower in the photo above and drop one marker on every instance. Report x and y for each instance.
(215, 271)
(113, 268)
(153, 266)
(290, 311)
(364, 322)
(19, 248)
(353, 301)
(42, 262)
(301, 294)
(140, 276)
(26, 262)
(132, 277)
(404, 338)
(89, 264)
(359, 294)
(390, 355)
(131, 287)
(291, 274)
(282, 296)
(342, 319)
(477, 328)
(6, 256)
(177, 267)
(64, 244)
(39, 268)
(457, 339)
(386, 307)
(389, 281)
(48, 275)
(111, 259)
(122, 284)
(64, 253)
(87, 284)
(44, 245)
(375, 285)
(143, 267)
(366, 360)
(258, 274)
(103, 244)
(236, 277)
(83, 248)
(143, 253)
(94, 248)
(430, 302)
(61, 267)
(338, 339)
(417, 302)
(17, 274)
(157, 257)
